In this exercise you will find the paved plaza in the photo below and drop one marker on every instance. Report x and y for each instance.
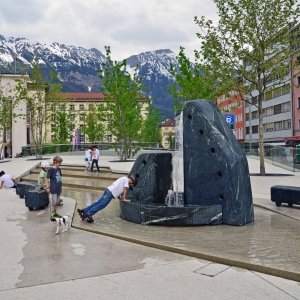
(116, 259)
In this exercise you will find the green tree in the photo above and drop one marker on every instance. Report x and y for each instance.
(190, 84)
(150, 132)
(39, 94)
(249, 49)
(94, 127)
(122, 107)
(62, 123)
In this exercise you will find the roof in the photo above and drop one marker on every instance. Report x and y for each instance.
(83, 96)
(168, 123)
(91, 96)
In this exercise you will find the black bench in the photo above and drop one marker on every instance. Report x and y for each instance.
(23, 186)
(36, 199)
(285, 194)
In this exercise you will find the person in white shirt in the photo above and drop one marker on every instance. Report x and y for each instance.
(95, 156)
(88, 157)
(6, 181)
(120, 186)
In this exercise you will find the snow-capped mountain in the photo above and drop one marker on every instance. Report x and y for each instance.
(76, 67)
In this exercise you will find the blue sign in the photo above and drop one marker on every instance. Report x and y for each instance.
(230, 119)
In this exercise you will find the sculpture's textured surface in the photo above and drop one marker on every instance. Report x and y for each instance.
(215, 167)
(216, 178)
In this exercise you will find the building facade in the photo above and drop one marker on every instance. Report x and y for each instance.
(167, 131)
(78, 105)
(234, 105)
(16, 137)
(277, 115)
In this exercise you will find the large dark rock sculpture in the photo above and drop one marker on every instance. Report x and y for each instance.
(215, 166)
(216, 178)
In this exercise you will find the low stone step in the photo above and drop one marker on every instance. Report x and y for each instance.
(83, 174)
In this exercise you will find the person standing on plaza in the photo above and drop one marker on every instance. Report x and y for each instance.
(120, 186)
(96, 157)
(54, 184)
(88, 157)
(6, 181)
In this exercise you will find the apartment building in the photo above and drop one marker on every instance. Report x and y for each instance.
(277, 115)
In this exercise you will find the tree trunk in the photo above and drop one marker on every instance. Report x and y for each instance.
(261, 140)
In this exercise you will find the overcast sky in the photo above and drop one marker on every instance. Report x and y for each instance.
(128, 26)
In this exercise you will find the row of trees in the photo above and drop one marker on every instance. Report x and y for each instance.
(120, 116)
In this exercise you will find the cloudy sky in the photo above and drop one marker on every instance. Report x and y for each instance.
(128, 26)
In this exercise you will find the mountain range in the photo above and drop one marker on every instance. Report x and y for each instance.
(76, 67)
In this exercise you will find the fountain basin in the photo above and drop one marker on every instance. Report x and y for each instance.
(160, 214)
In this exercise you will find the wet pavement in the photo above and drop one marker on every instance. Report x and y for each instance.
(36, 263)
(270, 244)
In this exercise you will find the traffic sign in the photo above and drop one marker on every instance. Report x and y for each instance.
(230, 120)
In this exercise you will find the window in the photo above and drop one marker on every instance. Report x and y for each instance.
(53, 117)
(269, 127)
(53, 107)
(278, 126)
(298, 80)
(72, 107)
(255, 115)
(247, 117)
(277, 92)
(241, 133)
(298, 102)
(286, 107)
(255, 129)
(277, 109)
(109, 138)
(286, 88)
(299, 123)
(268, 95)
(81, 107)
(286, 124)
(62, 107)
(254, 100)
(270, 111)
(81, 117)
(247, 130)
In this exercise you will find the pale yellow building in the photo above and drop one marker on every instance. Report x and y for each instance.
(167, 130)
(16, 138)
(78, 104)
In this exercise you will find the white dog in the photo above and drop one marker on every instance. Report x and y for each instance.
(63, 222)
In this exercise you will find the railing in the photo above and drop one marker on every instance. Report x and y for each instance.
(69, 149)
(284, 157)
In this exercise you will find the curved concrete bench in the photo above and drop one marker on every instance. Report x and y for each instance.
(285, 194)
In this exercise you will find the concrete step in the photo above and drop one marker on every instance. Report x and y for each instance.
(82, 173)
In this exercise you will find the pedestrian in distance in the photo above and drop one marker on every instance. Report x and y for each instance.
(6, 181)
(96, 157)
(88, 157)
(119, 187)
(54, 185)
